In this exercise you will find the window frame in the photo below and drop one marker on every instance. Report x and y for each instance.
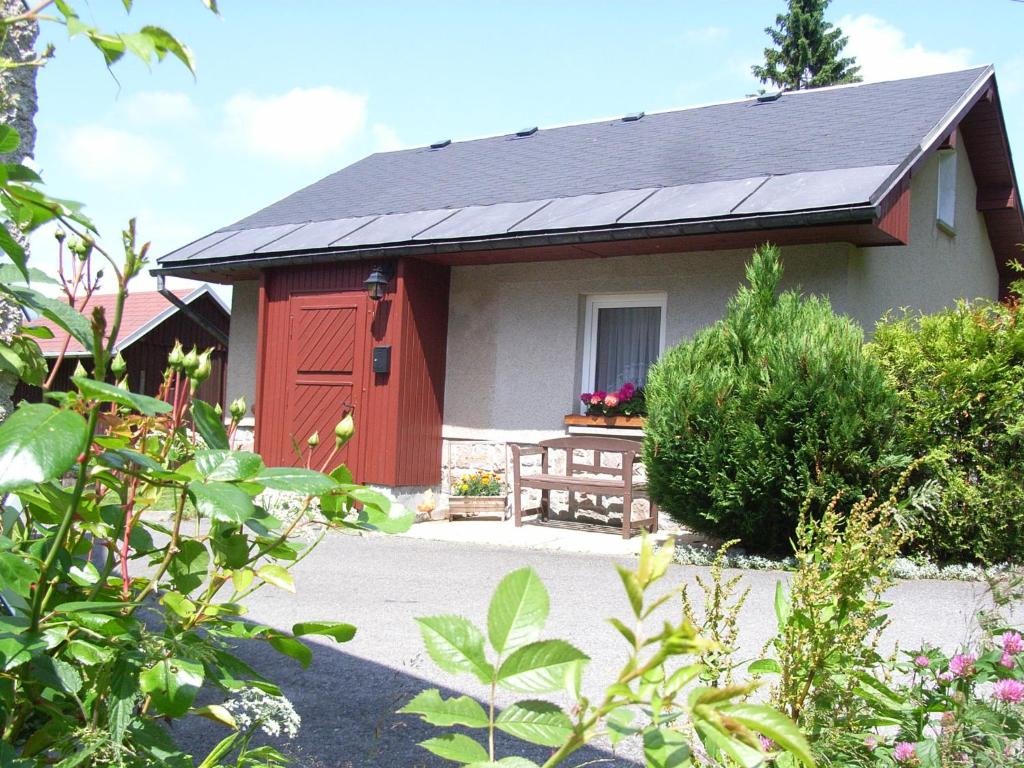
(945, 192)
(594, 304)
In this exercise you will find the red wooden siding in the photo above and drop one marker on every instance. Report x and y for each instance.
(317, 331)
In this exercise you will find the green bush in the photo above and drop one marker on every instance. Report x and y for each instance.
(960, 376)
(774, 406)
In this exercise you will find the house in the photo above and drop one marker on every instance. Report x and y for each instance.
(150, 324)
(516, 271)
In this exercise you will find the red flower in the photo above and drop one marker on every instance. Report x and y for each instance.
(597, 398)
(585, 397)
(627, 391)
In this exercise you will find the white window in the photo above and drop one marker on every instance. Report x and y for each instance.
(623, 334)
(945, 213)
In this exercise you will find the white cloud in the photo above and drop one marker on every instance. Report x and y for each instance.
(305, 125)
(710, 34)
(883, 52)
(385, 138)
(119, 158)
(159, 107)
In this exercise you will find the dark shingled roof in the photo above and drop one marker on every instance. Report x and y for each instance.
(805, 151)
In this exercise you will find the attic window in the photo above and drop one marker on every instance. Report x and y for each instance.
(945, 211)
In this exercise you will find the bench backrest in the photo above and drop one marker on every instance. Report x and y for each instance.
(597, 445)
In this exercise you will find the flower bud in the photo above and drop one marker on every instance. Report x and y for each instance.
(343, 431)
(191, 361)
(238, 408)
(118, 366)
(177, 356)
(218, 410)
(313, 440)
(59, 234)
(122, 383)
(203, 367)
(80, 369)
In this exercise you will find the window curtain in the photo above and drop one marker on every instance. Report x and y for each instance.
(627, 344)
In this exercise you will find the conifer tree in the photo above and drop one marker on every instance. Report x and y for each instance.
(807, 50)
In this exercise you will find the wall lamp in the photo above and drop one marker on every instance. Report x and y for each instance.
(377, 283)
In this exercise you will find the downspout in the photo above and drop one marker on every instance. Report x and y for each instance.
(201, 321)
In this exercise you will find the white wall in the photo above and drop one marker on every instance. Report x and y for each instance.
(514, 329)
(935, 268)
(241, 380)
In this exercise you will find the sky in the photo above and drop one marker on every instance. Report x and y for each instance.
(288, 92)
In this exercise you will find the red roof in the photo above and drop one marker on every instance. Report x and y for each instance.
(140, 309)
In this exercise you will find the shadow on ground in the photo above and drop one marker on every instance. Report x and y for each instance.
(348, 708)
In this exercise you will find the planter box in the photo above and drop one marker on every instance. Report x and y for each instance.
(476, 506)
(619, 422)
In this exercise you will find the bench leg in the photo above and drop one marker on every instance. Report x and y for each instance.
(654, 515)
(517, 506)
(627, 513)
(545, 505)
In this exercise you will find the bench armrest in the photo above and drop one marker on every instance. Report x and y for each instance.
(525, 450)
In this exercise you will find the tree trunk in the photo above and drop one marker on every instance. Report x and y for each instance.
(18, 104)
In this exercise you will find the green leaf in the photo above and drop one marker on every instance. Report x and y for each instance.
(209, 425)
(38, 443)
(773, 724)
(123, 694)
(56, 674)
(222, 502)
(16, 573)
(456, 747)
(456, 645)
(290, 647)
(506, 762)
(764, 667)
(189, 565)
(217, 714)
(538, 722)
(57, 312)
(227, 465)
(9, 273)
(295, 480)
(783, 608)
(9, 139)
(715, 741)
(620, 724)
(342, 633)
(87, 653)
(665, 748)
(278, 576)
(458, 710)
(15, 251)
(103, 392)
(164, 42)
(542, 666)
(395, 520)
(172, 685)
(634, 591)
(518, 610)
(242, 579)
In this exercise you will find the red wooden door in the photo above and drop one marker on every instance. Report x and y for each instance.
(326, 359)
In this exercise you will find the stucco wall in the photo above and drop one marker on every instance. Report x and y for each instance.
(935, 268)
(241, 379)
(514, 329)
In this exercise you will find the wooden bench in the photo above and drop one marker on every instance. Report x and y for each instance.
(588, 478)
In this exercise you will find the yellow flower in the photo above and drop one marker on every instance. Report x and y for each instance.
(465, 487)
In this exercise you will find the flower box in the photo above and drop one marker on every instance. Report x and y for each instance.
(617, 422)
(476, 506)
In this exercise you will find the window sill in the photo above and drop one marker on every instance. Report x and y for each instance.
(945, 228)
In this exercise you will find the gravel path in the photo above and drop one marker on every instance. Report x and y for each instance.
(348, 695)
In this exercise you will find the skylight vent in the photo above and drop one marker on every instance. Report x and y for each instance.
(632, 117)
(441, 144)
(526, 132)
(769, 96)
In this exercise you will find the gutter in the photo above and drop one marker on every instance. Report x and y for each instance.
(198, 319)
(860, 214)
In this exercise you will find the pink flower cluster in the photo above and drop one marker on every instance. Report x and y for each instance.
(904, 752)
(1008, 691)
(962, 665)
(1013, 644)
(609, 399)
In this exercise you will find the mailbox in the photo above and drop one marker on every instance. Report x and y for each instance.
(382, 359)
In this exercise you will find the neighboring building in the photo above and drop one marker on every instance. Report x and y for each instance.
(150, 324)
(527, 268)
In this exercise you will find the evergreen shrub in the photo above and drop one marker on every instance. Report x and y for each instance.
(773, 407)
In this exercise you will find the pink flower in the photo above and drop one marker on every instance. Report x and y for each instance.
(585, 397)
(946, 676)
(766, 744)
(1007, 661)
(962, 665)
(1013, 643)
(1008, 691)
(922, 661)
(611, 400)
(627, 391)
(596, 398)
(904, 752)
(871, 743)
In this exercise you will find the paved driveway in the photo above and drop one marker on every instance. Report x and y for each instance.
(348, 696)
